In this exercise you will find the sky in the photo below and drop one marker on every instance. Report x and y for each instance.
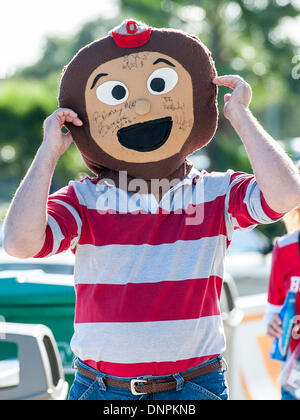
(24, 25)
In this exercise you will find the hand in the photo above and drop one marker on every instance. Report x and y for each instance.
(54, 138)
(274, 329)
(240, 97)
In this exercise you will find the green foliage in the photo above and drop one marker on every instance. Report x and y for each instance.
(24, 105)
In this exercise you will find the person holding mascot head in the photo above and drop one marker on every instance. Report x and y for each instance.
(149, 262)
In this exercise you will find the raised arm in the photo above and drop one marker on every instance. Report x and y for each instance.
(276, 175)
(25, 224)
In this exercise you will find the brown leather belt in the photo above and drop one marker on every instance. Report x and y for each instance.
(154, 385)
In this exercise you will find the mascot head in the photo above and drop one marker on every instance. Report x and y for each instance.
(145, 97)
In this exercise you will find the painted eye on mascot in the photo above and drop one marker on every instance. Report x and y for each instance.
(162, 80)
(112, 92)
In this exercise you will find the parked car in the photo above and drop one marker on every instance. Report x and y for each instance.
(40, 292)
(36, 347)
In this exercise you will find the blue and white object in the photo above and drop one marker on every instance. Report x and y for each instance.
(280, 346)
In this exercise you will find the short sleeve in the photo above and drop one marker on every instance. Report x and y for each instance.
(64, 222)
(245, 205)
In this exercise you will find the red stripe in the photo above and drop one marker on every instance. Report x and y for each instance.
(145, 302)
(237, 207)
(152, 368)
(68, 195)
(238, 174)
(48, 244)
(64, 218)
(267, 209)
(153, 229)
(66, 222)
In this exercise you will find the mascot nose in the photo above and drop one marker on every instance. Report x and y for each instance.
(142, 106)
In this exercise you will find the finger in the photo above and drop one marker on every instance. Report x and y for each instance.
(231, 81)
(273, 333)
(227, 97)
(277, 320)
(276, 324)
(77, 121)
(65, 116)
(68, 118)
(66, 112)
(278, 330)
(229, 78)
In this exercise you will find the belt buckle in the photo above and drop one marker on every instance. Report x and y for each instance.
(132, 386)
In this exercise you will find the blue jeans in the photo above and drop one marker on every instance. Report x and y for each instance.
(211, 386)
(286, 396)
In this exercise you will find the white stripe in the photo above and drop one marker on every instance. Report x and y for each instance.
(101, 197)
(121, 264)
(288, 239)
(57, 234)
(253, 201)
(75, 215)
(142, 342)
(216, 184)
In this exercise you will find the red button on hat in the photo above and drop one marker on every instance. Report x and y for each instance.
(131, 34)
(131, 27)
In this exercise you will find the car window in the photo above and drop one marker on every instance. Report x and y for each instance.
(47, 268)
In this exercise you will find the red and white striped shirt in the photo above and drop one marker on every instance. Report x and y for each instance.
(148, 275)
(285, 273)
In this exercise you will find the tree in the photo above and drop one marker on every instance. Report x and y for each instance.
(23, 108)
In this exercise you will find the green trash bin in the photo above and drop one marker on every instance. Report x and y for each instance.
(40, 298)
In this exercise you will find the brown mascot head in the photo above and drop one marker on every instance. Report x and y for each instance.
(145, 97)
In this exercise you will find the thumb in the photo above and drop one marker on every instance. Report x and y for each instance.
(68, 137)
(227, 97)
